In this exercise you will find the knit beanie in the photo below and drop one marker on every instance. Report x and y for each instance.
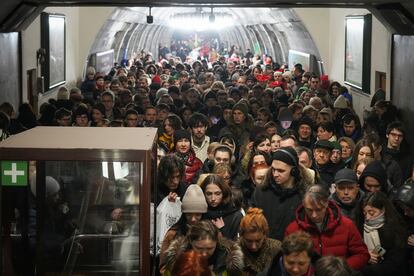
(336, 145)
(181, 134)
(328, 111)
(161, 92)
(63, 94)
(287, 155)
(285, 115)
(100, 107)
(377, 171)
(81, 110)
(194, 200)
(242, 107)
(210, 95)
(156, 79)
(173, 90)
(341, 102)
(323, 144)
(305, 120)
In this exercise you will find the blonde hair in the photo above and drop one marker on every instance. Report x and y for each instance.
(202, 177)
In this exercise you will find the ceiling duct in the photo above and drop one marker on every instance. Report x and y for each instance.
(21, 17)
(396, 18)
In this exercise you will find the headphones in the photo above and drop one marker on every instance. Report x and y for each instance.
(295, 170)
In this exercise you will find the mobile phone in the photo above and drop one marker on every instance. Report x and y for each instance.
(379, 250)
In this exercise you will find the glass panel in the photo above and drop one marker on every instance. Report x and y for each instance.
(91, 214)
(18, 254)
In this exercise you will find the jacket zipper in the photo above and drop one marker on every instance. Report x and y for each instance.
(320, 243)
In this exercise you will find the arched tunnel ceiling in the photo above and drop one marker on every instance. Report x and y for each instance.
(276, 30)
(17, 15)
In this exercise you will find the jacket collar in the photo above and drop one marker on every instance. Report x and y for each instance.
(332, 218)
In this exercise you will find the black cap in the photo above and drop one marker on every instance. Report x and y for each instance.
(346, 176)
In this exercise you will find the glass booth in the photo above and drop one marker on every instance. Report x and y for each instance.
(77, 201)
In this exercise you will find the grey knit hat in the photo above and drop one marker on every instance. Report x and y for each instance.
(194, 200)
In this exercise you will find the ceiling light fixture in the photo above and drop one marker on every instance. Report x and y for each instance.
(212, 17)
(150, 18)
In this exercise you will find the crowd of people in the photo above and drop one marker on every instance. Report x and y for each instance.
(276, 173)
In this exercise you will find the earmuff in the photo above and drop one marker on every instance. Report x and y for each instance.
(295, 170)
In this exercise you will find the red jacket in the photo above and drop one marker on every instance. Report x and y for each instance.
(340, 237)
(192, 166)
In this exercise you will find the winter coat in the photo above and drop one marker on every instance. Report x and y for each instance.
(339, 236)
(259, 263)
(356, 135)
(176, 231)
(278, 206)
(248, 187)
(163, 191)
(240, 133)
(192, 166)
(402, 158)
(231, 217)
(226, 260)
(327, 173)
(214, 130)
(395, 258)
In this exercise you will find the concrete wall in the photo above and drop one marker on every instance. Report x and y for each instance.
(316, 21)
(327, 27)
(82, 26)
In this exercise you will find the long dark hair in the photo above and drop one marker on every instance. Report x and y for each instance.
(392, 218)
(169, 165)
(362, 143)
(218, 180)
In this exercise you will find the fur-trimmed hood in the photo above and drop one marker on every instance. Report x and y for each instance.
(227, 257)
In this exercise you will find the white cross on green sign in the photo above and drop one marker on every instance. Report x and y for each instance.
(14, 173)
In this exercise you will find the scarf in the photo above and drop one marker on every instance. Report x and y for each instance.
(371, 236)
(183, 156)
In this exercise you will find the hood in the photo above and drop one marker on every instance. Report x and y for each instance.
(376, 170)
(228, 255)
(405, 194)
(332, 218)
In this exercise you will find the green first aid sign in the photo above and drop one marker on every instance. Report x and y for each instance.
(14, 173)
